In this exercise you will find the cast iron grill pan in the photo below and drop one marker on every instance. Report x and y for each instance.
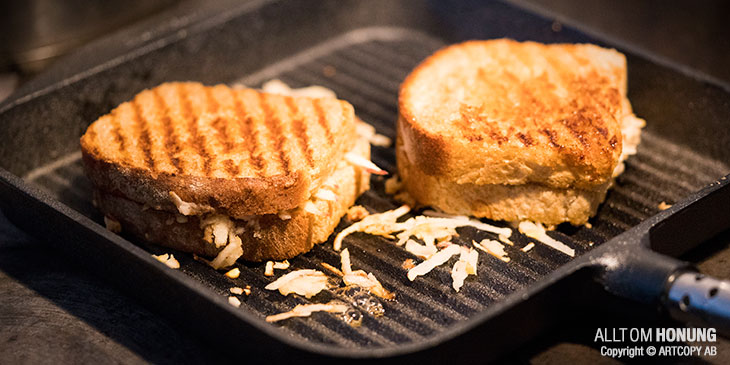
(366, 67)
(371, 46)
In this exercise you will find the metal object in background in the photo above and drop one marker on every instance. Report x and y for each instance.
(35, 32)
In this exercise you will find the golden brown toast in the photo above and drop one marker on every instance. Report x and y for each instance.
(265, 237)
(505, 112)
(510, 203)
(237, 152)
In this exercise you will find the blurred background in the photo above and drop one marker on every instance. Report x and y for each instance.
(35, 33)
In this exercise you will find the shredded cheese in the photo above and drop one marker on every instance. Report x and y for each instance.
(345, 262)
(279, 87)
(368, 132)
(431, 228)
(325, 194)
(467, 265)
(380, 140)
(458, 275)
(631, 137)
(422, 251)
(363, 162)
(505, 239)
(662, 206)
(537, 231)
(377, 224)
(228, 254)
(305, 282)
(233, 273)
(187, 208)
(356, 213)
(234, 301)
(216, 228)
(309, 207)
(361, 278)
(269, 269)
(528, 247)
(220, 230)
(427, 229)
(369, 282)
(493, 248)
(168, 259)
(471, 257)
(305, 310)
(437, 259)
(332, 269)
(464, 221)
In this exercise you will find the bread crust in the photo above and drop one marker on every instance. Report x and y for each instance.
(511, 113)
(500, 202)
(272, 238)
(238, 197)
(239, 152)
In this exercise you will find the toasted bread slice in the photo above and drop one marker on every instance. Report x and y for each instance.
(235, 152)
(511, 203)
(266, 237)
(505, 112)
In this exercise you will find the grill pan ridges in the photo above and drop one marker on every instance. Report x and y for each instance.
(369, 65)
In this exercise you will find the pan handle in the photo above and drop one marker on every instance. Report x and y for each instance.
(673, 285)
(698, 299)
(631, 268)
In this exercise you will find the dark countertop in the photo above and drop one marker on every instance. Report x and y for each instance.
(52, 311)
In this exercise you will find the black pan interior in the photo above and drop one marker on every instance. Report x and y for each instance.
(684, 147)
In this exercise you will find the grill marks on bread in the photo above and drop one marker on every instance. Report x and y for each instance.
(171, 144)
(505, 112)
(188, 128)
(240, 151)
(520, 104)
(322, 120)
(300, 130)
(117, 134)
(190, 119)
(140, 131)
(251, 135)
(273, 123)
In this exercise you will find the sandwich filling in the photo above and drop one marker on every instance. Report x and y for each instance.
(281, 235)
(514, 203)
(229, 172)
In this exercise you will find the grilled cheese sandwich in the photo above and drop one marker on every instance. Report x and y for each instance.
(513, 131)
(240, 166)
